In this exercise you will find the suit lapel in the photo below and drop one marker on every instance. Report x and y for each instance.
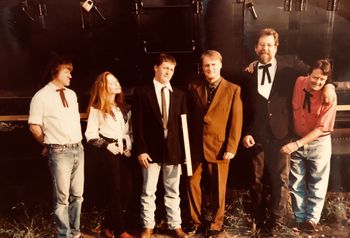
(172, 97)
(218, 94)
(256, 80)
(200, 90)
(275, 81)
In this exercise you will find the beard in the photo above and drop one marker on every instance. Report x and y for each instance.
(264, 57)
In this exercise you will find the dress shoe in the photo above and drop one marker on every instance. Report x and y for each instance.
(212, 233)
(308, 226)
(107, 233)
(178, 233)
(146, 233)
(276, 230)
(125, 234)
(78, 236)
(195, 229)
(297, 227)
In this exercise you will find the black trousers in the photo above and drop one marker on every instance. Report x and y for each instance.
(269, 185)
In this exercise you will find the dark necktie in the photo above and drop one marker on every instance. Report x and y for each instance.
(164, 111)
(307, 100)
(63, 98)
(211, 92)
(265, 72)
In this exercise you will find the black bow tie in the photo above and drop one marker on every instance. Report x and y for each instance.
(307, 100)
(265, 72)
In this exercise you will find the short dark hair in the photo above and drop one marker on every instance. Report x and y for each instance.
(54, 65)
(324, 65)
(164, 58)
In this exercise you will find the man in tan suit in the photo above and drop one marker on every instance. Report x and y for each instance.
(215, 124)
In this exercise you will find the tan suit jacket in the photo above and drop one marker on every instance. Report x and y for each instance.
(214, 130)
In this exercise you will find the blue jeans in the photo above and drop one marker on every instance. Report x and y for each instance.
(67, 171)
(171, 183)
(308, 179)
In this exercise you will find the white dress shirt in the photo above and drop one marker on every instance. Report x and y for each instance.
(264, 90)
(113, 128)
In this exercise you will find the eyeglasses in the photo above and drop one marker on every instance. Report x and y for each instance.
(263, 45)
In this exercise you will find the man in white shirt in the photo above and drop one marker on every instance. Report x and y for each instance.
(54, 121)
(157, 135)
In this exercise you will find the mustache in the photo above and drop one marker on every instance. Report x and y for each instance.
(264, 52)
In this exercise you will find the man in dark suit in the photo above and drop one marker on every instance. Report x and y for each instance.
(215, 124)
(268, 126)
(158, 144)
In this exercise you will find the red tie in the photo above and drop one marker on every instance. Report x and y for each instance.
(63, 98)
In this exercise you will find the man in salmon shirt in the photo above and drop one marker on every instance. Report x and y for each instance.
(311, 150)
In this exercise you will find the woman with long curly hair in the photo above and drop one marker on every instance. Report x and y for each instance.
(108, 129)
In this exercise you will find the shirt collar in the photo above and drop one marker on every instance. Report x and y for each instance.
(215, 84)
(273, 63)
(53, 86)
(158, 86)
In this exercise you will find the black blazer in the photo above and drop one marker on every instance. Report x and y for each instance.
(272, 117)
(148, 128)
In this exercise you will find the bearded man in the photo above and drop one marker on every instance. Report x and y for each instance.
(268, 125)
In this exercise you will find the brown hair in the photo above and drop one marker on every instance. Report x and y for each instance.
(99, 97)
(269, 32)
(324, 65)
(164, 58)
(55, 64)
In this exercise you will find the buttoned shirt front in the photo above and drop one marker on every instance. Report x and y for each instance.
(321, 116)
(215, 85)
(60, 125)
(265, 89)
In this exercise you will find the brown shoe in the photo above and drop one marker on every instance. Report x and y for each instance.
(179, 233)
(146, 233)
(309, 226)
(125, 234)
